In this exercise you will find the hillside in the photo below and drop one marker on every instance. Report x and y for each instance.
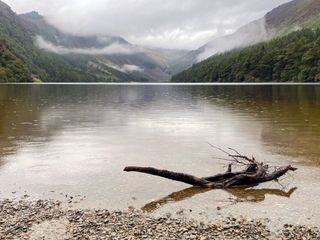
(19, 34)
(247, 35)
(51, 55)
(12, 68)
(37, 25)
(109, 51)
(292, 16)
(292, 58)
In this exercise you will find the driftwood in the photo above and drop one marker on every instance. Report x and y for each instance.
(254, 173)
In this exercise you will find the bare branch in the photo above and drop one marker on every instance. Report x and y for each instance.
(253, 174)
(234, 151)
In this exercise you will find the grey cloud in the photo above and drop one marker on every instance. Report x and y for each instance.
(160, 23)
(250, 34)
(131, 68)
(125, 67)
(108, 50)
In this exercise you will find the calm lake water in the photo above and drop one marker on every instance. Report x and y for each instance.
(57, 140)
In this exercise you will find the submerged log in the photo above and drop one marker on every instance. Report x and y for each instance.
(254, 173)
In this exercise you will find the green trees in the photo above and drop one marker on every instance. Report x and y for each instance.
(12, 69)
(22, 61)
(292, 58)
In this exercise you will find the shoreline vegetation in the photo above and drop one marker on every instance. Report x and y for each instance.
(294, 57)
(170, 83)
(48, 219)
(290, 53)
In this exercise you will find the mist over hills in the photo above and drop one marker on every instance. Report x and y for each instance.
(282, 20)
(286, 50)
(17, 34)
(50, 55)
(112, 51)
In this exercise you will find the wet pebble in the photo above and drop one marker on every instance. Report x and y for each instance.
(19, 220)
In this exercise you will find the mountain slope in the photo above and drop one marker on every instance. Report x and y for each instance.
(280, 21)
(249, 34)
(292, 58)
(12, 68)
(51, 67)
(293, 15)
(110, 51)
(37, 25)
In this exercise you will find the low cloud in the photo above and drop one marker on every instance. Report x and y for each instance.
(112, 49)
(125, 67)
(131, 68)
(157, 23)
(254, 32)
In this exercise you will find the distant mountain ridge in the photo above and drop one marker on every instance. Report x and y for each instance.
(289, 52)
(37, 25)
(49, 54)
(280, 21)
(153, 64)
(52, 55)
(249, 34)
(50, 67)
(293, 15)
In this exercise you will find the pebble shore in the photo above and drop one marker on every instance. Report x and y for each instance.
(44, 219)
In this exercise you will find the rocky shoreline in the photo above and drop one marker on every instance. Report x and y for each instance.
(47, 219)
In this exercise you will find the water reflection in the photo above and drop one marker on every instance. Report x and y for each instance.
(17, 120)
(289, 115)
(77, 139)
(258, 195)
(240, 194)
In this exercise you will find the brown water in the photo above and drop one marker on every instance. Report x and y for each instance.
(76, 139)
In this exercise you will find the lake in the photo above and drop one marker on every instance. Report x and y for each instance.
(58, 140)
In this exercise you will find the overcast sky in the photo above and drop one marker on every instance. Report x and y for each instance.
(158, 23)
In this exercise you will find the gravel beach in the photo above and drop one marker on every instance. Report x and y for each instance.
(44, 219)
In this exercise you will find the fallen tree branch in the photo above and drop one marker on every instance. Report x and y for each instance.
(181, 177)
(254, 173)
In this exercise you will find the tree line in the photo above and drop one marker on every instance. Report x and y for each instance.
(291, 58)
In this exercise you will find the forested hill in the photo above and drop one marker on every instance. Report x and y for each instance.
(17, 43)
(292, 58)
(286, 18)
(12, 68)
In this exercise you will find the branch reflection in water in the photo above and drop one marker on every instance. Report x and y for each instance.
(241, 195)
